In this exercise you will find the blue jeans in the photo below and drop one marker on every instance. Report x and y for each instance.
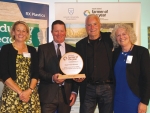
(101, 95)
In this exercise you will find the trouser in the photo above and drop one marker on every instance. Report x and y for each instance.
(57, 104)
(101, 95)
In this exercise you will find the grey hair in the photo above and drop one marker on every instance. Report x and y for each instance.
(129, 31)
(92, 15)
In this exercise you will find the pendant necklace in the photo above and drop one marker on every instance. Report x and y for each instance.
(125, 54)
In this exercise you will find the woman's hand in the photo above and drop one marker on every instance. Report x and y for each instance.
(25, 95)
(142, 108)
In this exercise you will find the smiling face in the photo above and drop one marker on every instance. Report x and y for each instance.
(122, 37)
(59, 33)
(93, 27)
(20, 33)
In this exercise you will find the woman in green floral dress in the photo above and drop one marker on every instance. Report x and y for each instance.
(19, 72)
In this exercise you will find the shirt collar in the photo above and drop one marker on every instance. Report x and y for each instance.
(62, 44)
(98, 37)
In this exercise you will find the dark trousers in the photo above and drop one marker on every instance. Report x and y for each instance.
(101, 95)
(57, 104)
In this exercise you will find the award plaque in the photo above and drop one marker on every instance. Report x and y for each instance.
(71, 65)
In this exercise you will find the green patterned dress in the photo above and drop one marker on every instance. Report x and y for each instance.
(10, 99)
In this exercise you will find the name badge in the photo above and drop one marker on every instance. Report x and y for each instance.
(25, 54)
(129, 59)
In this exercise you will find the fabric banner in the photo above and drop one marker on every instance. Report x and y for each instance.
(36, 18)
(74, 14)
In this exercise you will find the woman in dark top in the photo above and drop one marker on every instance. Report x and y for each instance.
(19, 72)
(131, 72)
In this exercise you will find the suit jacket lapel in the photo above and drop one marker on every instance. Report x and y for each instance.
(53, 52)
(66, 48)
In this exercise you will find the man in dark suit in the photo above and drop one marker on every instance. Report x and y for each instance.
(96, 52)
(55, 94)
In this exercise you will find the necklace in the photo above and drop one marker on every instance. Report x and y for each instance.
(125, 54)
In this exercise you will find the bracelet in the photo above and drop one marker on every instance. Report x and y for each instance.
(31, 89)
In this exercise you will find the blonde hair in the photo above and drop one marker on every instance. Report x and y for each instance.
(129, 31)
(14, 27)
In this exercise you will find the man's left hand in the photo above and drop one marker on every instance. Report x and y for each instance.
(72, 98)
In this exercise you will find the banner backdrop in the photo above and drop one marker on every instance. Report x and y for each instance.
(34, 14)
(74, 14)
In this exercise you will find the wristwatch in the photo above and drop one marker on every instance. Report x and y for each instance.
(31, 89)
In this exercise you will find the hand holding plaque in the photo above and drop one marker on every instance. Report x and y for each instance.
(71, 64)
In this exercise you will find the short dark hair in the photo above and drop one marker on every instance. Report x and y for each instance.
(58, 22)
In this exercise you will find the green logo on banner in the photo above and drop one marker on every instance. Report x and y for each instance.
(5, 37)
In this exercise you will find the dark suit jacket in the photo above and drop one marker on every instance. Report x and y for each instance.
(138, 72)
(48, 66)
(8, 62)
(81, 48)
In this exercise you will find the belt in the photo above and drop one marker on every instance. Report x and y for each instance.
(100, 82)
